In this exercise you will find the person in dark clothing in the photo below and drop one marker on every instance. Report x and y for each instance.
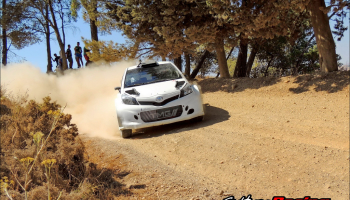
(69, 57)
(57, 60)
(78, 57)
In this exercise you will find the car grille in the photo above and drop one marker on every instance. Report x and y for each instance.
(161, 114)
(161, 103)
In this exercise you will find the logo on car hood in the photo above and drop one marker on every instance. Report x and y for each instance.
(159, 99)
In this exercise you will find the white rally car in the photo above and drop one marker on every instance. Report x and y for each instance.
(153, 94)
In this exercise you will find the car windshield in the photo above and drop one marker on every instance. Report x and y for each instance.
(143, 76)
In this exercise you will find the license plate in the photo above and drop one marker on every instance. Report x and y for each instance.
(161, 114)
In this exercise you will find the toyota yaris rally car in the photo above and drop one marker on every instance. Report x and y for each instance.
(153, 94)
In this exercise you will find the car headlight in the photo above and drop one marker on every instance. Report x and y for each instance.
(186, 90)
(129, 100)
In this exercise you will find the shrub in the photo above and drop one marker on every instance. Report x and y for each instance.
(42, 157)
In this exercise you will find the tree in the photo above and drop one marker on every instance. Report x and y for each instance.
(170, 27)
(41, 26)
(178, 62)
(16, 27)
(47, 33)
(199, 64)
(90, 15)
(58, 9)
(241, 64)
(274, 53)
(188, 64)
(264, 19)
(111, 52)
(259, 20)
(324, 37)
(209, 66)
(211, 23)
(26, 20)
(254, 50)
(4, 36)
(282, 53)
(91, 7)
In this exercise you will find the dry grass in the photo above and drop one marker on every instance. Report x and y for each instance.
(42, 157)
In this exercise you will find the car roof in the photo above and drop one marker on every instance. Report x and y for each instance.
(159, 62)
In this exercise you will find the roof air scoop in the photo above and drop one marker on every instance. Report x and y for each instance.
(132, 92)
(149, 63)
(179, 84)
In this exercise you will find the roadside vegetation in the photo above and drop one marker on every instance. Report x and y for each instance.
(42, 157)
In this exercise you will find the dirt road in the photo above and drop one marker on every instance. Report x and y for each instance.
(265, 137)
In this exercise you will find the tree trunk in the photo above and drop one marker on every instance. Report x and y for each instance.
(220, 53)
(48, 47)
(228, 56)
(178, 62)
(188, 65)
(4, 47)
(64, 58)
(93, 19)
(241, 65)
(251, 59)
(4, 38)
(199, 65)
(94, 30)
(267, 67)
(324, 38)
(94, 35)
(58, 36)
(63, 33)
(296, 68)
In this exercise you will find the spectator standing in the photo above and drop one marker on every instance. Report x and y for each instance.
(69, 57)
(57, 60)
(78, 57)
(60, 61)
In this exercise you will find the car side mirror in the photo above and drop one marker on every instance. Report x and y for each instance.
(117, 88)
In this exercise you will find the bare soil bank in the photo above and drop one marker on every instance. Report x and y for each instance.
(265, 137)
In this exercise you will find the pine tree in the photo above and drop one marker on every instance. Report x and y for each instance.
(17, 27)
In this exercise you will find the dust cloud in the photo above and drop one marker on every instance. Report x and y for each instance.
(88, 93)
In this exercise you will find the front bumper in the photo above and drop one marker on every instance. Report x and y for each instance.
(129, 115)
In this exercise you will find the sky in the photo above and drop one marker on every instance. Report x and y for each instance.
(36, 54)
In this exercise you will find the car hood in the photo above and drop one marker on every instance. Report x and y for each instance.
(149, 92)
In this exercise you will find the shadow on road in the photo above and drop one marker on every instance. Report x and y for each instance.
(330, 82)
(231, 85)
(212, 116)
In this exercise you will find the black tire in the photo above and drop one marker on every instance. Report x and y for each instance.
(126, 133)
(198, 119)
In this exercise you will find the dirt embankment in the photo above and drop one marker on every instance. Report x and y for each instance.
(265, 137)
